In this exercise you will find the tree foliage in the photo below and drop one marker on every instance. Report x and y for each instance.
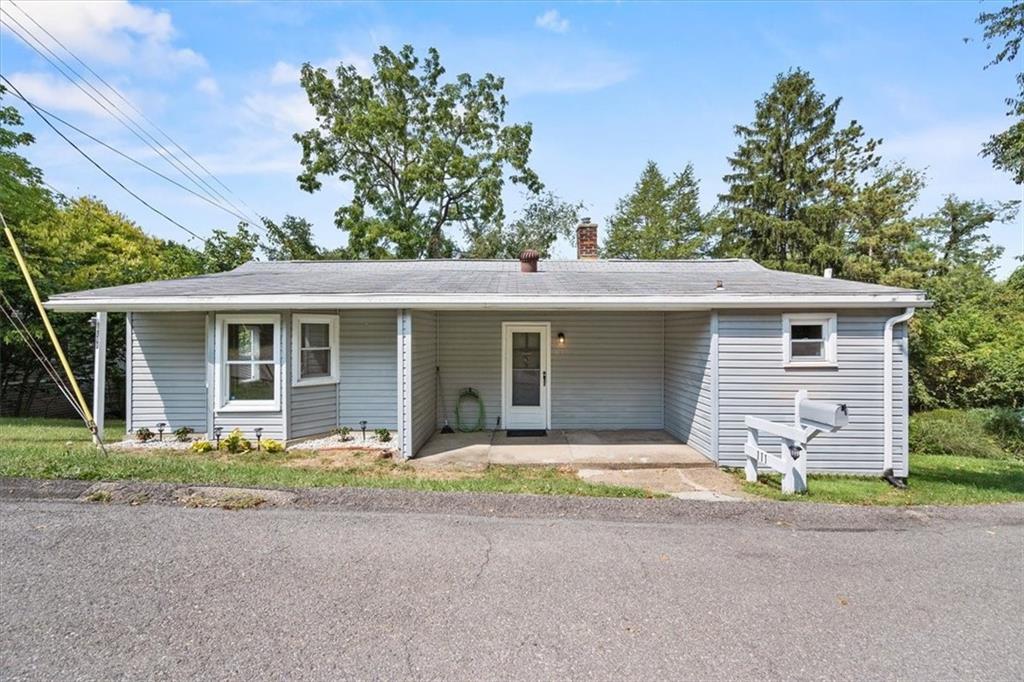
(793, 177)
(660, 218)
(419, 153)
(291, 239)
(543, 219)
(1005, 27)
(959, 231)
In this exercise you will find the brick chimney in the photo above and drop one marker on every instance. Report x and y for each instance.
(586, 240)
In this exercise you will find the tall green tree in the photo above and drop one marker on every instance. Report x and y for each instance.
(420, 153)
(224, 251)
(543, 219)
(81, 244)
(1005, 28)
(793, 177)
(959, 231)
(291, 239)
(23, 195)
(660, 218)
(887, 241)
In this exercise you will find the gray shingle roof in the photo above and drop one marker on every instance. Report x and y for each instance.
(493, 278)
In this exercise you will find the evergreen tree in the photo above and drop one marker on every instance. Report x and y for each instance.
(959, 231)
(658, 219)
(793, 177)
(887, 244)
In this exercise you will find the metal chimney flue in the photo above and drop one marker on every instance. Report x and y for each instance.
(528, 261)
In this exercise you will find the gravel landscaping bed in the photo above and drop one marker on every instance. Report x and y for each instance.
(353, 440)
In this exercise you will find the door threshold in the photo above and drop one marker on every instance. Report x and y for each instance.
(526, 433)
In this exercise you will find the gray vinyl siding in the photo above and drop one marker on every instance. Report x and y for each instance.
(168, 377)
(424, 386)
(369, 385)
(312, 410)
(608, 375)
(688, 367)
(752, 380)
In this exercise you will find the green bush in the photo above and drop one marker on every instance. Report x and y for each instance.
(272, 447)
(183, 433)
(970, 433)
(235, 443)
(201, 446)
(383, 435)
(1007, 425)
(144, 434)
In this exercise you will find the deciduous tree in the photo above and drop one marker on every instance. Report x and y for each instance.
(1006, 149)
(419, 152)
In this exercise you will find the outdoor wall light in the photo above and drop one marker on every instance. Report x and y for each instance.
(259, 434)
(561, 339)
(160, 429)
(216, 434)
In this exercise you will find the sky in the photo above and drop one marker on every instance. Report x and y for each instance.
(607, 86)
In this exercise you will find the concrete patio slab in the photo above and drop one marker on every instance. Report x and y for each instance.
(713, 485)
(620, 449)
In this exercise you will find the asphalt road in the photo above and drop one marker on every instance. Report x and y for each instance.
(705, 592)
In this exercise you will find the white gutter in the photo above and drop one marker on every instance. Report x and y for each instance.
(887, 465)
(478, 302)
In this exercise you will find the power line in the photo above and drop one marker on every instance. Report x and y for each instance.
(123, 118)
(133, 107)
(98, 166)
(136, 161)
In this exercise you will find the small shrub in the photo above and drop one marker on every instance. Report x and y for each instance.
(383, 435)
(1007, 426)
(344, 432)
(183, 433)
(144, 434)
(201, 446)
(954, 432)
(235, 443)
(271, 446)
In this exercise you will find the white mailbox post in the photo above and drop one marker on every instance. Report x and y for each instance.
(810, 417)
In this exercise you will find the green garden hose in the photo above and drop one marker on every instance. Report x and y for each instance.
(469, 394)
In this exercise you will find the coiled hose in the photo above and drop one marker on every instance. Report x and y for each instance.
(469, 394)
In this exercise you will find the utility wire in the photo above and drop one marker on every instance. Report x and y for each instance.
(123, 118)
(133, 107)
(136, 161)
(37, 352)
(95, 163)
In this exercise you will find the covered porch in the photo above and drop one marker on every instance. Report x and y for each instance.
(629, 388)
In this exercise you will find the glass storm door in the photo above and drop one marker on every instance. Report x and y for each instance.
(526, 379)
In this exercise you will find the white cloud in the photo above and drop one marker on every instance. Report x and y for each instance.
(208, 86)
(286, 112)
(283, 73)
(552, 21)
(53, 92)
(117, 33)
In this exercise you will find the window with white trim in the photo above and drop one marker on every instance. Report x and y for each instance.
(314, 349)
(247, 362)
(809, 339)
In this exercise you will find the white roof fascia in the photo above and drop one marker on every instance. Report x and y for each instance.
(481, 302)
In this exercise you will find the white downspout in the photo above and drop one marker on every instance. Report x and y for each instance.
(887, 465)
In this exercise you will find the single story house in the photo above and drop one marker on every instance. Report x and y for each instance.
(689, 347)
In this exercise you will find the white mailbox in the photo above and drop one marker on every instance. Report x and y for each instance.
(810, 417)
(818, 414)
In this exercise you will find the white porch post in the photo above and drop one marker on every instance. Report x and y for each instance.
(404, 383)
(99, 369)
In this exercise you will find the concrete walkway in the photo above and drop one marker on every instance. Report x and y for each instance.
(580, 449)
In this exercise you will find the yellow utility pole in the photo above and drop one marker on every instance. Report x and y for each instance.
(90, 422)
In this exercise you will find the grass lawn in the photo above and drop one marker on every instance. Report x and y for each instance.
(934, 479)
(55, 448)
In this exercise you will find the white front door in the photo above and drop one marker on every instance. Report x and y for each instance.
(525, 375)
